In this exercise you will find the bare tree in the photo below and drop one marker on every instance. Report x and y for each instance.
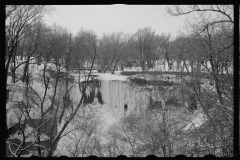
(19, 20)
(92, 54)
(164, 44)
(211, 46)
(145, 45)
(111, 50)
(45, 103)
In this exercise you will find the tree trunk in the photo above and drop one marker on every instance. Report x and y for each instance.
(115, 66)
(21, 55)
(122, 68)
(219, 93)
(216, 80)
(149, 64)
(39, 148)
(13, 69)
(62, 114)
(191, 67)
(25, 70)
(143, 65)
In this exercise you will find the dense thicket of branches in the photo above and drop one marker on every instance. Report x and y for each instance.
(209, 43)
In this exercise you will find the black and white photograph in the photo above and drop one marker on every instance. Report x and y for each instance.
(119, 80)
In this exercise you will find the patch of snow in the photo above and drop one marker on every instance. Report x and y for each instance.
(107, 117)
(207, 86)
(132, 69)
(109, 76)
(103, 114)
(95, 101)
(118, 72)
(198, 118)
(16, 97)
(13, 115)
(9, 79)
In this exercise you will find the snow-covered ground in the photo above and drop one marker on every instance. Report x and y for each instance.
(17, 90)
(101, 76)
(102, 118)
(104, 115)
(110, 77)
(196, 120)
(132, 69)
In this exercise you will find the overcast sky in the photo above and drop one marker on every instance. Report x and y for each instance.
(114, 18)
